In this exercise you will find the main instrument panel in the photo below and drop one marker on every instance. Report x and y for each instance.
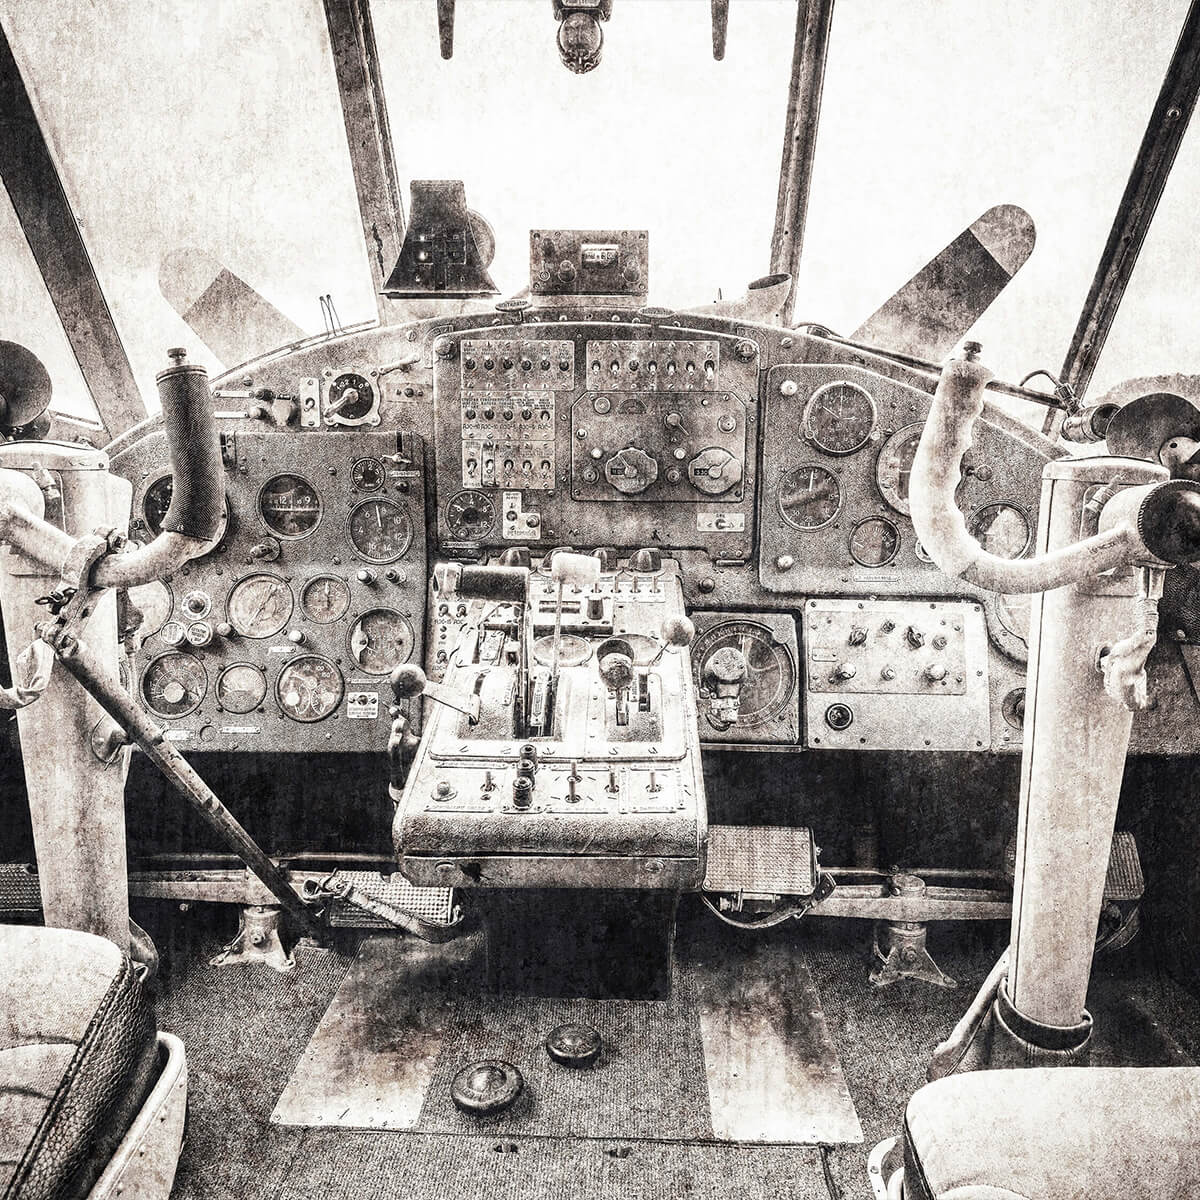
(772, 465)
(282, 636)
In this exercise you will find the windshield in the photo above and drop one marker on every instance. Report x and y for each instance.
(217, 126)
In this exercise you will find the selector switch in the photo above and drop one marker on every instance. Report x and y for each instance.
(858, 635)
(914, 637)
(714, 471)
(631, 470)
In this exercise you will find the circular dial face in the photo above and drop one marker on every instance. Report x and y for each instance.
(809, 497)
(351, 397)
(241, 688)
(309, 688)
(157, 500)
(1002, 529)
(893, 469)
(174, 684)
(289, 506)
(380, 640)
(381, 530)
(325, 599)
(259, 605)
(368, 474)
(153, 600)
(874, 542)
(839, 418)
(770, 679)
(470, 515)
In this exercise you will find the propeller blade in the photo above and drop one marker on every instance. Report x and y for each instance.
(929, 315)
(232, 319)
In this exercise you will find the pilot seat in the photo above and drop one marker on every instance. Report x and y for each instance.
(92, 1097)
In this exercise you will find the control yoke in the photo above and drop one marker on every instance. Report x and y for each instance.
(197, 497)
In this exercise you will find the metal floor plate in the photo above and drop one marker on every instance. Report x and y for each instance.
(369, 1063)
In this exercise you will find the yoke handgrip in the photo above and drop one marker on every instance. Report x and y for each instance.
(198, 491)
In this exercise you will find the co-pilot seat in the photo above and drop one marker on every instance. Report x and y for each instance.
(1063, 1133)
(92, 1097)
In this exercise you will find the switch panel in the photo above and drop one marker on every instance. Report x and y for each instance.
(895, 675)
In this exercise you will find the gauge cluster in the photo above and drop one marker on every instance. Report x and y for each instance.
(282, 636)
(834, 503)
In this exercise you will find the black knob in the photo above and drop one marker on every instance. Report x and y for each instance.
(522, 791)
(1169, 521)
(407, 680)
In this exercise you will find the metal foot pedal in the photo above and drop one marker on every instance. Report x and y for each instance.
(761, 861)
(432, 904)
(1125, 880)
(20, 891)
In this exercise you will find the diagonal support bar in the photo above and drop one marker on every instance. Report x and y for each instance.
(33, 184)
(1156, 155)
(368, 136)
(813, 21)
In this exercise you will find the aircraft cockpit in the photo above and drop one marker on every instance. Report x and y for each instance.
(560, 733)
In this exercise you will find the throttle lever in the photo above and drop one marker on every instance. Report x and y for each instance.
(408, 682)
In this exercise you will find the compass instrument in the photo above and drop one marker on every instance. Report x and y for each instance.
(259, 606)
(809, 497)
(174, 684)
(767, 684)
(839, 418)
(381, 530)
(289, 506)
(309, 688)
(379, 640)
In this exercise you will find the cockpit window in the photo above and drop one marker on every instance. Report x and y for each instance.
(217, 127)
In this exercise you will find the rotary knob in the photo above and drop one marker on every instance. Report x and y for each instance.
(631, 470)
(935, 672)
(647, 560)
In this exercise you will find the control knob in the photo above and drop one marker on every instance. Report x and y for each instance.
(631, 470)
(647, 560)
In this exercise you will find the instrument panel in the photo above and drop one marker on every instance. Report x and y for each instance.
(282, 636)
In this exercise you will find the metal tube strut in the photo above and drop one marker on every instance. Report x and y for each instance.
(813, 21)
(48, 223)
(1155, 157)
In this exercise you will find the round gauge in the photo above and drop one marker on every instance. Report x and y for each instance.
(259, 606)
(470, 515)
(1002, 529)
(839, 418)
(893, 468)
(368, 474)
(174, 684)
(380, 640)
(153, 600)
(241, 688)
(289, 506)
(157, 500)
(770, 679)
(351, 398)
(325, 599)
(874, 542)
(1008, 624)
(381, 530)
(809, 497)
(309, 688)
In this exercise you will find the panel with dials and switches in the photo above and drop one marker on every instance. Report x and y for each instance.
(895, 675)
(624, 436)
(283, 635)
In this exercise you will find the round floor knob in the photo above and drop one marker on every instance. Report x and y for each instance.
(574, 1045)
(486, 1087)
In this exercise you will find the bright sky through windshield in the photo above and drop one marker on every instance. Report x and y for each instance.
(215, 124)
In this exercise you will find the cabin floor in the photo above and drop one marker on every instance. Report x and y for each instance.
(246, 1028)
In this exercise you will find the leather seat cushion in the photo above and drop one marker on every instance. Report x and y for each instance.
(1061, 1133)
(77, 1058)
